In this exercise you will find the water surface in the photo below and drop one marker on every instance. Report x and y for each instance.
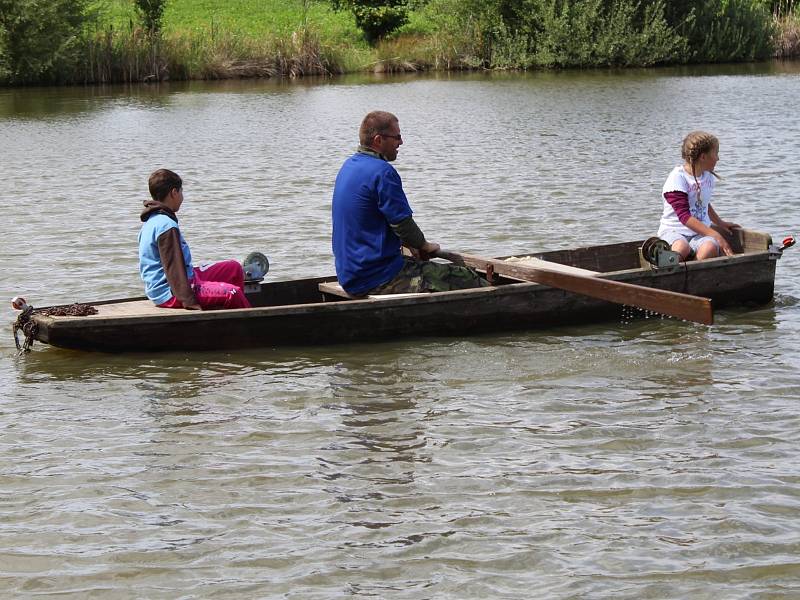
(643, 459)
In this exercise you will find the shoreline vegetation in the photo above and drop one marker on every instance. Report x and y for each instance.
(106, 41)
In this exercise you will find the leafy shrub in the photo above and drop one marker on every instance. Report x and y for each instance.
(39, 39)
(597, 33)
(559, 33)
(376, 18)
(151, 13)
(724, 30)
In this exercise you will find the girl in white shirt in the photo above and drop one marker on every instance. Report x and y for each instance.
(688, 214)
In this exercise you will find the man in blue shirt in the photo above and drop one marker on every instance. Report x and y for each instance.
(372, 220)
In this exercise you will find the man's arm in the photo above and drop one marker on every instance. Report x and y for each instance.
(410, 234)
(411, 237)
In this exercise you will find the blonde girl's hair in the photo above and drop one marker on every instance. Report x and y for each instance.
(695, 144)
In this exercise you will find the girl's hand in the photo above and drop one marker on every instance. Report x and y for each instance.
(723, 244)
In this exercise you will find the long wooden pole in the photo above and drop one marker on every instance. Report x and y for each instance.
(674, 304)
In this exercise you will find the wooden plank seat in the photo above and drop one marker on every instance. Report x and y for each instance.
(334, 289)
(530, 261)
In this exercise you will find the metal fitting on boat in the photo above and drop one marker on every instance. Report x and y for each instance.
(775, 252)
(18, 303)
(658, 254)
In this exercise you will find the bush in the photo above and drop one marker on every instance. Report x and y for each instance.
(724, 30)
(558, 33)
(39, 39)
(599, 33)
(151, 12)
(376, 18)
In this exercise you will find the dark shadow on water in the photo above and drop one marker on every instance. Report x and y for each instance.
(56, 102)
(48, 364)
(44, 103)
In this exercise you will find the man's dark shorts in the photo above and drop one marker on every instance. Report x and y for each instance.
(424, 276)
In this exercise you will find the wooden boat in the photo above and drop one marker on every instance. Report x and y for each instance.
(316, 311)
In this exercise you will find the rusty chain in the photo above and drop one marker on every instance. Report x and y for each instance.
(30, 329)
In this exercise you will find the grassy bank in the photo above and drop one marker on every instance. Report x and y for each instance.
(216, 39)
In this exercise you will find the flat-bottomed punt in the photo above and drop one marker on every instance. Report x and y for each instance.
(315, 311)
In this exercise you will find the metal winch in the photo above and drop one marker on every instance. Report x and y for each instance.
(657, 252)
(255, 266)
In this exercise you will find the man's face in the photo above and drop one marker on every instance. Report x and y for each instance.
(387, 143)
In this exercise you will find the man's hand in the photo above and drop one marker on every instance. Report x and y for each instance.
(427, 250)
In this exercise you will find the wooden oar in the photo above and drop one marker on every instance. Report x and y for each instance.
(674, 304)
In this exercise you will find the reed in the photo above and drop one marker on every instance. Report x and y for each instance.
(787, 38)
(223, 40)
(405, 53)
(132, 54)
(783, 8)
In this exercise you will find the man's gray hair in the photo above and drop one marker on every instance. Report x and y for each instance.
(375, 123)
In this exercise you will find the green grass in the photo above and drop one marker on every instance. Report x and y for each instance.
(249, 18)
(211, 39)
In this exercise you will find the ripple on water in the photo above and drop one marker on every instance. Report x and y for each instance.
(646, 458)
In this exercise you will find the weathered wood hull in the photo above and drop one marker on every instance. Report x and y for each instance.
(297, 313)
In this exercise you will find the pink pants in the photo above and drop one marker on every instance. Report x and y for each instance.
(218, 285)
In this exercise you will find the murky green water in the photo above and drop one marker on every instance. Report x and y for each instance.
(650, 459)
